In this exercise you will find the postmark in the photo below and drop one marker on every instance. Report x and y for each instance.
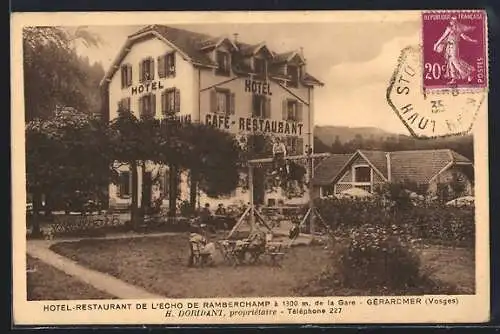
(429, 115)
(454, 49)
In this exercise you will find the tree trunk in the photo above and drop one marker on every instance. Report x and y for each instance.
(35, 222)
(135, 214)
(146, 190)
(48, 204)
(172, 193)
(193, 190)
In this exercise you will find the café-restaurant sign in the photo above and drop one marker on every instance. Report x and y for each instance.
(249, 124)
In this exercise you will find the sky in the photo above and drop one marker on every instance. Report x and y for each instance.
(355, 60)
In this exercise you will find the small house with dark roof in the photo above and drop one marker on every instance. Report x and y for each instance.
(368, 170)
(243, 88)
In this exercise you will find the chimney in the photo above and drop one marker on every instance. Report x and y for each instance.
(301, 52)
(235, 37)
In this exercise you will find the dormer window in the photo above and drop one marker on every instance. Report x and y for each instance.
(223, 65)
(260, 66)
(293, 75)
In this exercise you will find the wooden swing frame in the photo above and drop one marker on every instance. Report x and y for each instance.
(312, 211)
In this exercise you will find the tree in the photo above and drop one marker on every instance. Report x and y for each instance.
(54, 74)
(65, 154)
(210, 154)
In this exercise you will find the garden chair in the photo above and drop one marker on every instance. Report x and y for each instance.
(226, 247)
(275, 253)
(201, 257)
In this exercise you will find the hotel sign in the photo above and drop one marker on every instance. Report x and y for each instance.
(147, 87)
(258, 87)
(248, 124)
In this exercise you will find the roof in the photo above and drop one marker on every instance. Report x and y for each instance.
(378, 160)
(192, 46)
(419, 166)
(327, 170)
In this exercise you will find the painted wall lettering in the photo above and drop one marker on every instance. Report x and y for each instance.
(146, 87)
(258, 87)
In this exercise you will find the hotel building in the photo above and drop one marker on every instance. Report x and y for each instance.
(219, 81)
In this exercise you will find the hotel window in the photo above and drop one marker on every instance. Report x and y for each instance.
(295, 145)
(260, 67)
(261, 106)
(124, 184)
(292, 110)
(147, 69)
(147, 106)
(223, 66)
(222, 101)
(293, 74)
(170, 101)
(124, 104)
(126, 72)
(166, 65)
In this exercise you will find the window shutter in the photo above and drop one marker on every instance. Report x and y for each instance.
(232, 98)
(284, 110)
(127, 104)
(119, 186)
(153, 105)
(177, 100)
(123, 77)
(255, 105)
(141, 71)
(129, 75)
(151, 68)
(213, 101)
(161, 66)
(268, 108)
(299, 111)
(171, 66)
(164, 102)
(141, 106)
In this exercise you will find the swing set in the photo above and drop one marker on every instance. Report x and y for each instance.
(253, 214)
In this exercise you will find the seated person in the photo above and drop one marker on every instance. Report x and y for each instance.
(197, 237)
(257, 240)
(221, 211)
(294, 231)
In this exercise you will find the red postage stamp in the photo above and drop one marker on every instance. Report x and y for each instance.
(454, 49)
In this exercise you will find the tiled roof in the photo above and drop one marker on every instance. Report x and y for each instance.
(418, 166)
(327, 170)
(378, 159)
(187, 41)
(458, 157)
(282, 57)
(190, 44)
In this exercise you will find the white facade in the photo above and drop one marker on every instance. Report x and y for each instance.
(253, 104)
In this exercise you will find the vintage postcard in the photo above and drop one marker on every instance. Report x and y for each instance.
(250, 168)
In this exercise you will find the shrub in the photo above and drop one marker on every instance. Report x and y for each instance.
(378, 256)
(434, 224)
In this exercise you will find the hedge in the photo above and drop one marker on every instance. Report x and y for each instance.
(439, 224)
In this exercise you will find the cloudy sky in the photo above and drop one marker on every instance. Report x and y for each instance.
(355, 61)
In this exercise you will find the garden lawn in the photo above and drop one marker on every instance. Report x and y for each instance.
(451, 265)
(48, 283)
(158, 264)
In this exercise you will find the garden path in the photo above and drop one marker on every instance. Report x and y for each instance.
(40, 250)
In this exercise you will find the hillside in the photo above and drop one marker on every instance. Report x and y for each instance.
(338, 139)
(327, 134)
